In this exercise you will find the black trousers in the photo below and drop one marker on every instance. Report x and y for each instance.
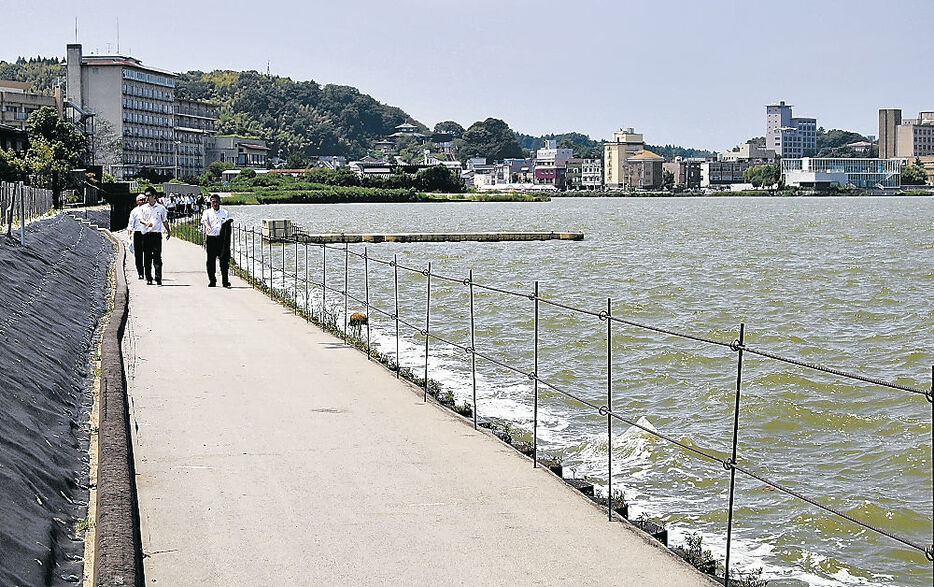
(138, 247)
(152, 257)
(215, 247)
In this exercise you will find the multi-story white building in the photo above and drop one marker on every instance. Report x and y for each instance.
(616, 152)
(194, 127)
(827, 171)
(136, 101)
(789, 136)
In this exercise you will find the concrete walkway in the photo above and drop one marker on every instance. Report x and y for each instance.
(268, 453)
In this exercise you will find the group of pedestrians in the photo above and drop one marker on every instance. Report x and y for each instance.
(150, 219)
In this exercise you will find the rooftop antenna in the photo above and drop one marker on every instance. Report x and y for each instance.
(118, 35)
(76, 29)
(267, 68)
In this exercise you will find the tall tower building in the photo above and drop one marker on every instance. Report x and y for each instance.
(889, 121)
(789, 136)
(616, 152)
(136, 101)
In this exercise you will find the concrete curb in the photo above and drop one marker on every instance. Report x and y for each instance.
(118, 558)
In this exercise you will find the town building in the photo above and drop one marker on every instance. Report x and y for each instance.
(17, 103)
(823, 172)
(789, 136)
(240, 151)
(12, 139)
(616, 152)
(584, 174)
(751, 153)
(550, 163)
(195, 123)
(905, 138)
(136, 102)
(644, 170)
(722, 173)
(686, 172)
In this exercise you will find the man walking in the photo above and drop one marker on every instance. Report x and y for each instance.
(136, 228)
(155, 219)
(213, 221)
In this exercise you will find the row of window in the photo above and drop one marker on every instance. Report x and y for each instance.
(147, 92)
(146, 131)
(149, 146)
(149, 78)
(147, 106)
(147, 119)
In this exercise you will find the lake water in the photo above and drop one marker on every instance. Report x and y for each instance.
(845, 282)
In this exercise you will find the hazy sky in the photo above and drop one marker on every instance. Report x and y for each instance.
(693, 73)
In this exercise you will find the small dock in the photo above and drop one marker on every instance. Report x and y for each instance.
(285, 230)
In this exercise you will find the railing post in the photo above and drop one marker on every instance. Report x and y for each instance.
(307, 316)
(324, 282)
(535, 380)
(366, 298)
(395, 268)
(284, 296)
(295, 281)
(609, 409)
(262, 261)
(253, 256)
(427, 326)
(22, 214)
(737, 346)
(473, 351)
(346, 293)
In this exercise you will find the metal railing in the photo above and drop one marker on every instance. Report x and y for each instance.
(20, 202)
(250, 253)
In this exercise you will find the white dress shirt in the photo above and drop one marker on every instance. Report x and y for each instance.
(212, 220)
(157, 215)
(136, 223)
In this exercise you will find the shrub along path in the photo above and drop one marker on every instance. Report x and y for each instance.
(269, 453)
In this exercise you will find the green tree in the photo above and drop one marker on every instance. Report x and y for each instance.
(449, 127)
(11, 166)
(438, 179)
(668, 179)
(296, 160)
(913, 174)
(214, 171)
(762, 175)
(491, 138)
(55, 148)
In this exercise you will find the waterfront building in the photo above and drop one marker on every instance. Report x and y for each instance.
(644, 170)
(513, 171)
(136, 101)
(240, 151)
(17, 103)
(686, 172)
(905, 138)
(584, 174)
(789, 136)
(814, 172)
(550, 164)
(751, 153)
(616, 152)
(723, 173)
(195, 123)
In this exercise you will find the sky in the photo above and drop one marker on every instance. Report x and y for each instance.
(690, 73)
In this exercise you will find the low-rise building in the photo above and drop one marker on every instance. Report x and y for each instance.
(686, 172)
(550, 164)
(722, 173)
(240, 151)
(584, 174)
(644, 170)
(13, 139)
(749, 152)
(814, 172)
(17, 103)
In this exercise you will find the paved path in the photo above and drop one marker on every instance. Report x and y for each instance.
(268, 453)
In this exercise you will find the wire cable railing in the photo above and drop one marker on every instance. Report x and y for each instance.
(247, 254)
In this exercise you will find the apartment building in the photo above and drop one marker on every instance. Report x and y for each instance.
(905, 138)
(17, 103)
(195, 124)
(644, 170)
(584, 174)
(789, 136)
(616, 152)
(136, 101)
(686, 172)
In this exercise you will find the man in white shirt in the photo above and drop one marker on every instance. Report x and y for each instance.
(213, 221)
(135, 228)
(155, 219)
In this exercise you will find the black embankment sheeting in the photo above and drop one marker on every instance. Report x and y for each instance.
(53, 293)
